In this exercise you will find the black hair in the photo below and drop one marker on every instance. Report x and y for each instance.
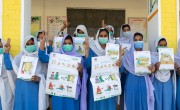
(126, 25)
(69, 37)
(104, 29)
(39, 34)
(163, 39)
(138, 34)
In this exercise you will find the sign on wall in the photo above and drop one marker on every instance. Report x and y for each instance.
(35, 25)
(54, 24)
(138, 25)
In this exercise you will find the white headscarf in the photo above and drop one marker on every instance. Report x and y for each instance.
(84, 29)
(7, 86)
(122, 39)
(40, 71)
(96, 47)
(162, 76)
(111, 40)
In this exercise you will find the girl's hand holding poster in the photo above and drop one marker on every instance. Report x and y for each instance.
(104, 78)
(166, 58)
(27, 67)
(142, 60)
(62, 75)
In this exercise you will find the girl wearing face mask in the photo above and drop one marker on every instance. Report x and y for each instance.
(7, 78)
(98, 49)
(64, 103)
(163, 81)
(138, 89)
(125, 35)
(111, 33)
(30, 95)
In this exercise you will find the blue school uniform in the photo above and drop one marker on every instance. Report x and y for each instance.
(60, 103)
(26, 93)
(164, 95)
(107, 104)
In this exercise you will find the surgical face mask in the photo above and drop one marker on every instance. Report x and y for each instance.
(138, 44)
(102, 40)
(1, 50)
(111, 33)
(161, 47)
(30, 48)
(67, 47)
(127, 34)
(81, 35)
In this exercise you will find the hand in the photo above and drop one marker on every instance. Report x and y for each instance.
(152, 68)
(65, 25)
(176, 66)
(80, 68)
(35, 78)
(157, 65)
(118, 63)
(103, 24)
(122, 51)
(42, 42)
(7, 46)
(50, 42)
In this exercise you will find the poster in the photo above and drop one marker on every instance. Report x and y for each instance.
(62, 75)
(138, 25)
(112, 50)
(79, 45)
(166, 58)
(27, 67)
(57, 43)
(125, 45)
(104, 78)
(35, 25)
(1, 63)
(142, 60)
(54, 24)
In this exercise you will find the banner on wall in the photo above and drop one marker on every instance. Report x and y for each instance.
(35, 25)
(54, 24)
(138, 25)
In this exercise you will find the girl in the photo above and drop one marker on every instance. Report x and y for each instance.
(98, 49)
(63, 103)
(30, 95)
(162, 81)
(7, 79)
(111, 33)
(125, 35)
(138, 88)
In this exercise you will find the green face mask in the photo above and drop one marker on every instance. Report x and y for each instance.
(103, 40)
(81, 35)
(67, 47)
(1, 50)
(161, 47)
(30, 48)
(111, 33)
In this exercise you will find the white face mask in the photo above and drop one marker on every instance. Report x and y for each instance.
(126, 34)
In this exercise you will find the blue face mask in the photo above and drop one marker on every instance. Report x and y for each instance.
(138, 44)
(111, 33)
(30, 48)
(1, 50)
(127, 34)
(67, 47)
(81, 35)
(102, 40)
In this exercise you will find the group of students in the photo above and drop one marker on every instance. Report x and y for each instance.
(156, 91)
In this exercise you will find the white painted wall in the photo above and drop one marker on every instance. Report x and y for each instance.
(25, 20)
(0, 18)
